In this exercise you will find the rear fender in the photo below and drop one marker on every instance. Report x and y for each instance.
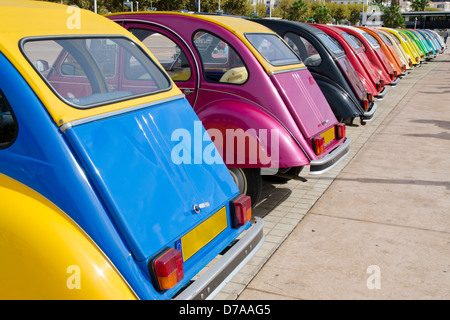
(45, 255)
(339, 100)
(249, 137)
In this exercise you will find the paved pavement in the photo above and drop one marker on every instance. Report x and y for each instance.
(377, 226)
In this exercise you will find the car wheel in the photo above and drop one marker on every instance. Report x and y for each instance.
(248, 181)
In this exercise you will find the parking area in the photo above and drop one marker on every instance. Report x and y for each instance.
(377, 226)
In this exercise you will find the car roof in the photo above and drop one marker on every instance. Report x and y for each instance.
(237, 25)
(21, 19)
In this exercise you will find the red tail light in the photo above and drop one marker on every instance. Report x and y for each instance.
(410, 63)
(241, 210)
(417, 59)
(340, 130)
(382, 83)
(370, 96)
(318, 144)
(392, 76)
(168, 269)
(378, 86)
(366, 104)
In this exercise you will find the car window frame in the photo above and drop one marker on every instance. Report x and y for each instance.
(202, 63)
(6, 145)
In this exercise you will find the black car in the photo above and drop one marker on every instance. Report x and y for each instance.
(330, 67)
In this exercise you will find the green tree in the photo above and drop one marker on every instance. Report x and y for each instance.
(354, 13)
(236, 7)
(338, 11)
(392, 17)
(322, 15)
(419, 5)
(298, 11)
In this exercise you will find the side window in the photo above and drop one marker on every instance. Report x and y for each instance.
(8, 125)
(220, 61)
(304, 49)
(167, 52)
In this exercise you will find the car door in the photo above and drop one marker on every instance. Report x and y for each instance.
(172, 53)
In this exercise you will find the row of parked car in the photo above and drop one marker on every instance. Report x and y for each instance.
(132, 146)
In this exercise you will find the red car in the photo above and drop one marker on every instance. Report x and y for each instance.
(375, 54)
(355, 52)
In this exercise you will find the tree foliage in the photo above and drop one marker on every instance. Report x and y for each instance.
(322, 15)
(419, 5)
(392, 17)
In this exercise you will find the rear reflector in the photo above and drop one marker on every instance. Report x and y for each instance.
(168, 269)
(318, 144)
(340, 130)
(241, 210)
(366, 104)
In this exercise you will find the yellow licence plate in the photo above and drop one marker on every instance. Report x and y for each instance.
(328, 135)
(201, 235)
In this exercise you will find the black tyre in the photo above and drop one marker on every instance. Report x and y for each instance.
(249, 182)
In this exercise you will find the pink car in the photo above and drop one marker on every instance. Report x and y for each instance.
(260, 104)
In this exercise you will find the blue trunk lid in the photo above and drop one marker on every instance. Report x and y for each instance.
(149, 196)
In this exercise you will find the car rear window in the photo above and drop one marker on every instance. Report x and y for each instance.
(273, 49)
(371, 39)
(330, 43)
(87, 72)
(353, 41)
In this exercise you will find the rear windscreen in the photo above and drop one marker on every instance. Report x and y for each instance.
(92, 71)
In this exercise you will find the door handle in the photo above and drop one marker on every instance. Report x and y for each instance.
(188, 92)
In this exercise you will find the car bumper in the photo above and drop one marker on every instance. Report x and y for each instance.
(330, 160)
(369, 114)
(382, 94)
(220, 273)
(395, 82)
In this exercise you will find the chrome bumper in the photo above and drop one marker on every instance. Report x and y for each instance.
(219, 274)
(395, 82)
(368, 115)
(330, 160)
(382, 94)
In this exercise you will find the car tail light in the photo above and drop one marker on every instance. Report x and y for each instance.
(403, 68)
(392, 76)
(167, 269)
(319, 144)
(410, 63)
(379, 87)
(340, 130)
(382, 83)
(366, 104)
(417, 59)
(370, 97)
(241, 210)
(395, 73)
(422, 57)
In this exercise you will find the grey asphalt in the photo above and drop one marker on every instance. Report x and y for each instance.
(378, 226)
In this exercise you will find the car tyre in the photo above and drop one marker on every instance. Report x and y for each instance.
(249, 182)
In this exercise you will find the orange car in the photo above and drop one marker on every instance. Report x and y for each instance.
(388, 50)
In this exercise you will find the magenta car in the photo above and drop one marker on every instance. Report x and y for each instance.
(260, 104)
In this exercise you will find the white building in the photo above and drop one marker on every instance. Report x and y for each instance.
(441, 5)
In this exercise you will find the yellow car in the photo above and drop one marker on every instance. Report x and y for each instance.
(404, 42)
(96, 200)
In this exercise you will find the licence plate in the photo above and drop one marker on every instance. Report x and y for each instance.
(201, 235)
(328, 135)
